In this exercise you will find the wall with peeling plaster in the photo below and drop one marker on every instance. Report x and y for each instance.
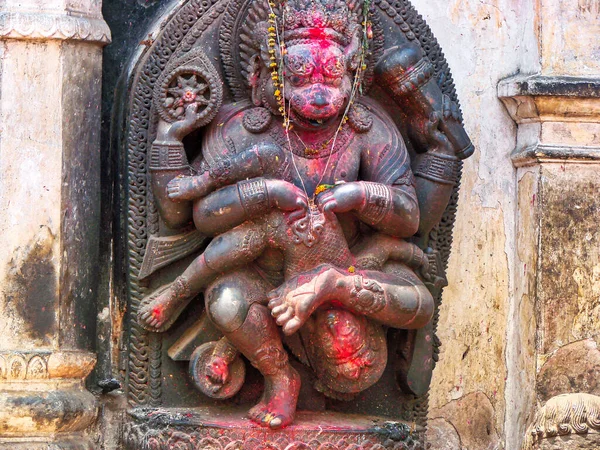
(520, 319)
(484, 42)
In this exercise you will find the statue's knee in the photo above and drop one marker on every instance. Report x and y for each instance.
(227, 307)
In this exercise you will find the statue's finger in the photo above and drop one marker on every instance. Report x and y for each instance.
(329, 207)
(277, 311)
(325, 197)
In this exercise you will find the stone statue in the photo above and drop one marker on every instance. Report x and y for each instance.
(318, 214)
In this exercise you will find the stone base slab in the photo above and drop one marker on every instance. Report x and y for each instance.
(590, 441)
(73, 443)
(221, 428)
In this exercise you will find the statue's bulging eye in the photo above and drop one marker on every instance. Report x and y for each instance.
(296, 80)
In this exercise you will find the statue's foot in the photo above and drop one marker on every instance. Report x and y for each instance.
(187, 188)
(293, 302)
(161, 308)
(277, 407)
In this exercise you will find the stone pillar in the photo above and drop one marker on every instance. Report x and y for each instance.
(557, 158)
(50, 85)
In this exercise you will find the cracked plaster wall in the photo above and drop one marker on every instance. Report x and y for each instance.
(476, 377)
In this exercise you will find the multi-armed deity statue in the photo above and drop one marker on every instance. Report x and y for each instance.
(317, 147)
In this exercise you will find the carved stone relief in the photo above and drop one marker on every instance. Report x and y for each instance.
(291, 196)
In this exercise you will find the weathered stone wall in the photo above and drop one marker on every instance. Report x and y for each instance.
(51, 55)
(523, 275)
(484, 43)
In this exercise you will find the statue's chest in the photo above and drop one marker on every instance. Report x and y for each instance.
(311, 172)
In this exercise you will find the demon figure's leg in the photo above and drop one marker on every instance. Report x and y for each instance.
(398, 300)
(234, 248)
(232, 304)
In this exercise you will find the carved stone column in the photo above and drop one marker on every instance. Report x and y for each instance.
(51, 54)
(558, 263)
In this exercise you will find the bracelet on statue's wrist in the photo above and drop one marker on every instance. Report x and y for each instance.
(438, 167)
(225, 350)
(167, 155)
(254, 196)
(378, 202)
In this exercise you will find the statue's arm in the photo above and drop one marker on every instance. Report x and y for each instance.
(393, 210)
(232, 205)
(398, 203)
(385, 199)
(436, 173)
(259, 160)
(168, 161)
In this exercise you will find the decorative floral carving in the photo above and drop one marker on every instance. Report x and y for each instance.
(30, 26)
(189, 80)
(23, 366)
(17, 365)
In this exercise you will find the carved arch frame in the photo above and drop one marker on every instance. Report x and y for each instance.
(178, 34)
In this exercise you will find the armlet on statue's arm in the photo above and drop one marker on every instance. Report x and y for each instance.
(167, 155)
(438, 167)
(378, 203)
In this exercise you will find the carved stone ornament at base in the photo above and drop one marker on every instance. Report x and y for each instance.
(227, 429)
(317, 152)
(569, 421)
(29, 380)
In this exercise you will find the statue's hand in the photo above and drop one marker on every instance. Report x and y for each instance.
(178, 130)
(285, 196)
(343, 198)
(429, 133)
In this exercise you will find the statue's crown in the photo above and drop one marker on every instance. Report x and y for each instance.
(334, 20)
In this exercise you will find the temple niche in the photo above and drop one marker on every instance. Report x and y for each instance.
(292, 179)
(230, 225)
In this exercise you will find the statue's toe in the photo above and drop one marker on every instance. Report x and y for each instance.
(276, 423)
(285, 316)
(292, 326)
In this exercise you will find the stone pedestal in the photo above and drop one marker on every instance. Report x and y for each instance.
(49, 197)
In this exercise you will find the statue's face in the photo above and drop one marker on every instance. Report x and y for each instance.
(318, 83)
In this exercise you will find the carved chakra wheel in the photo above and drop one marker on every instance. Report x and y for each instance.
(202, 57)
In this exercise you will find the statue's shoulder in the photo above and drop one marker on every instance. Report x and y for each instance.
(237, 126)
(374, 123)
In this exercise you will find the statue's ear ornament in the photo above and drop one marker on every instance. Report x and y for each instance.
(189, 79)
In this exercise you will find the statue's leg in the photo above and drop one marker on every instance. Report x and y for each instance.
(234, 305)
(237, 247)
(397, 299)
